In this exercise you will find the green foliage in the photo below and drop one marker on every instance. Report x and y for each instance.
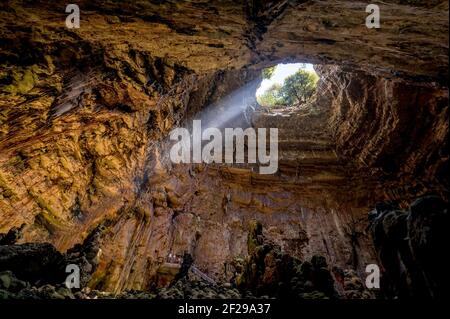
(268, 72)
(271, 96)
(296, 90)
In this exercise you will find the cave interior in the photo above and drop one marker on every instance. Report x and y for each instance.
(86, 177)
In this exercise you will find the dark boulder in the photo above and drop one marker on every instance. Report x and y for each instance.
(33, 262)
(12, 236)
(428, 224)
(411, 246)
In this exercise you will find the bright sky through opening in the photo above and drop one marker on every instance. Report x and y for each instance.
(281, 72)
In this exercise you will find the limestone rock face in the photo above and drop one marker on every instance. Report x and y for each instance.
(395, 128)
(85, 114)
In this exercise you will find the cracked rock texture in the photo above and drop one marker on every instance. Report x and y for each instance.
(84, 116)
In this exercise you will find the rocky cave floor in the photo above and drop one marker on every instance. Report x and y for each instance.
(405, 245)
(266, 273)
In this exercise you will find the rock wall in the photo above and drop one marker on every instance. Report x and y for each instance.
(395, 130)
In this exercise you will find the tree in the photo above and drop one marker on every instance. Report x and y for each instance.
(271, 96)
(268, 72)
(298, 88)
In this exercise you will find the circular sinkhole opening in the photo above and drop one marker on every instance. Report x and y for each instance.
(287, 85)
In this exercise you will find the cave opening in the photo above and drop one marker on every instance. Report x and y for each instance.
(287, 85)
